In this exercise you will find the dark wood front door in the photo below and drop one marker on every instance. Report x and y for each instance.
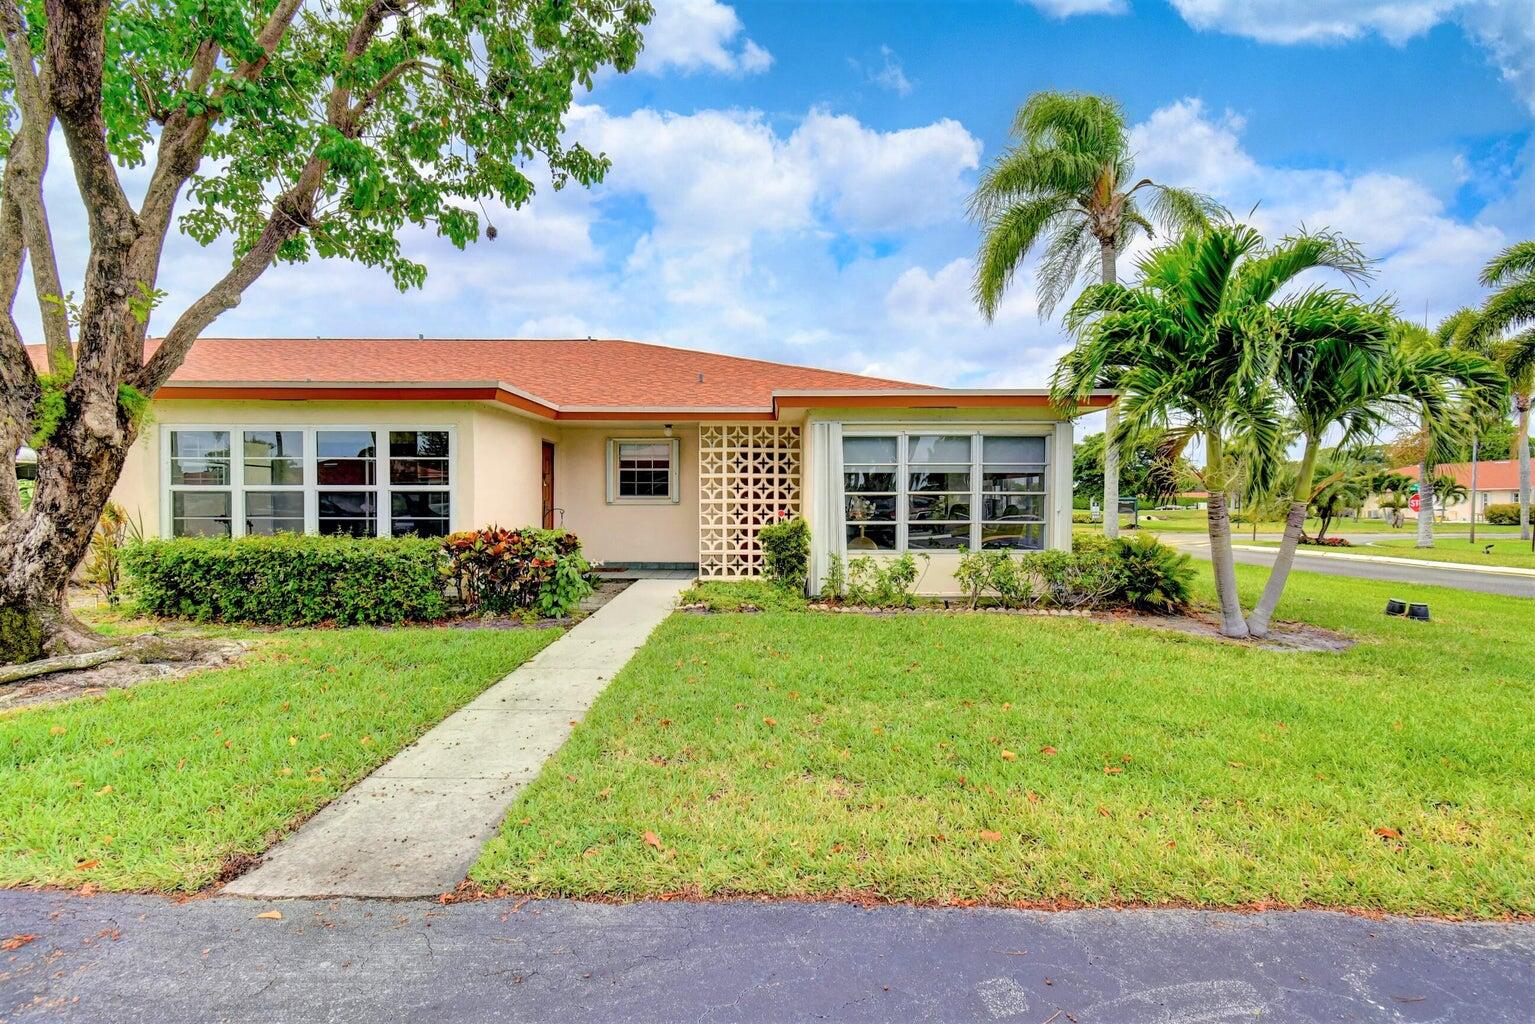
(548, 481)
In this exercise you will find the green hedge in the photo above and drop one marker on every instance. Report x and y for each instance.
(289, 580)
(1503, 513)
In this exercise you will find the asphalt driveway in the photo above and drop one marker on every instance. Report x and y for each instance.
(128, 959)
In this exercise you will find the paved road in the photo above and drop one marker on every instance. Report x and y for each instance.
(126, 959)
(1459, 579)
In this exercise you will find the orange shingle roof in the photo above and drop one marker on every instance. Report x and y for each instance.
(1500, 475)
(606, 374)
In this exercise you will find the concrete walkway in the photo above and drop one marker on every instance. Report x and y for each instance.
(131, 959)
(414, 826)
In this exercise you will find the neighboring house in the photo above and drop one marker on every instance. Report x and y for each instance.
(1496, 483)
(655, 456)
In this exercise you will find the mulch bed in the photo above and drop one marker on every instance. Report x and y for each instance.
(151, 657)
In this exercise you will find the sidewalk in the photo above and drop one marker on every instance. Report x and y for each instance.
(414, 826)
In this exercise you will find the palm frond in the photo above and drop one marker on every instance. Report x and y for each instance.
(1009, 237)
(1179, 211)
(1518, 260)
(1263, 277)
(1069, 258)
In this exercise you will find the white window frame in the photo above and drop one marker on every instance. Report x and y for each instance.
(976, 433)
(237, 488)
(674, 471)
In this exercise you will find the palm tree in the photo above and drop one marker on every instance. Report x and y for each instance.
(1195, 346)
(1448, 491)
(1069, 180)
(1335, 370)
(1469, 387)
(1512, 307)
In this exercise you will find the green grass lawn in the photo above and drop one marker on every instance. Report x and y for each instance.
(155, 786)
(1006, 759)
(1514, 552)
(1196, 521)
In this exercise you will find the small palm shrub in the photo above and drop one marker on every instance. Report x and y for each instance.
(1155, 578)
(786, 552)
(1503, 513)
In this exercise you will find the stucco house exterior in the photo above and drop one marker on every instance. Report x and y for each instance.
(1497, 482)
(655, 456)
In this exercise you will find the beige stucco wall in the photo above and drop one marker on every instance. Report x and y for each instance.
(625, 532)
(1460, 512)
(495, 476)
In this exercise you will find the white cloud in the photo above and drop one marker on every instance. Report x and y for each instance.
(891, 74)
(698, 35)
(1505, 28)
(1070, 8)
(1316, 21)
(1427, 257)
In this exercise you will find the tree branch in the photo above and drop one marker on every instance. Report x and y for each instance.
(25, 167)
(292, 212)
(182, 143)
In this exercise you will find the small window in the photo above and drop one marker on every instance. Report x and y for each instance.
(643, 471)
(869, 469)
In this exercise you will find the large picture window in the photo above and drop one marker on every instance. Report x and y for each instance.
(943, 491)
(349, 481)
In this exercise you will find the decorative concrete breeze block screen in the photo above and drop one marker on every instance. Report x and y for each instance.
(747, 475)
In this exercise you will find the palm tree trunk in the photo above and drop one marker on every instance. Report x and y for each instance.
(1233, 623)
(1295, 523)
(1109, 270)
(1425, 505)
(1110, 473)
(1522, 404)
(1475, 457)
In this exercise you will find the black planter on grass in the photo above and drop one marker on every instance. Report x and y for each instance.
(1396, 606)
(1417, 612)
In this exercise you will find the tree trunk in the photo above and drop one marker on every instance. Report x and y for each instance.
(1475, 456)
(1110, 473)
(1522, 404)
(1233, 624)
(1109, 274)
(40, 550)
(1295, 523)
(1425, 505)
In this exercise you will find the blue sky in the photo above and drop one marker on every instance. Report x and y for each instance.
(789, 177)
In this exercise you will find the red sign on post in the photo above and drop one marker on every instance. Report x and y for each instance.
(1415, 503)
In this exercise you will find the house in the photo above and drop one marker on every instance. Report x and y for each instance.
(656, 457)
(1497, 482)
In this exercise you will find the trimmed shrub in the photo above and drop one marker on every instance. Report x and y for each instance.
(786, 552)
(506, 571)
(1503, 513)
(1155, 577)
(288, 580)
(1137, 571)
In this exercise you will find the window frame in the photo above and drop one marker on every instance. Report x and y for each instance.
(674, 471)
(237, 488)
(977, 434)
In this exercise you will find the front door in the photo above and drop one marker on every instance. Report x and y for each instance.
(548, 482)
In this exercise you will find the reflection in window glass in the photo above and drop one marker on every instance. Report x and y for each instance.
(348, 513)
(951, 491)
(423, 513)
(418, 457)
(274, 458)
(269, 512)
(346, 458)
(869, 492)
(200, 458)
(200, 514)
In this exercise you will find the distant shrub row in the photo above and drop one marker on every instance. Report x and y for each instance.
(1504, 513)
